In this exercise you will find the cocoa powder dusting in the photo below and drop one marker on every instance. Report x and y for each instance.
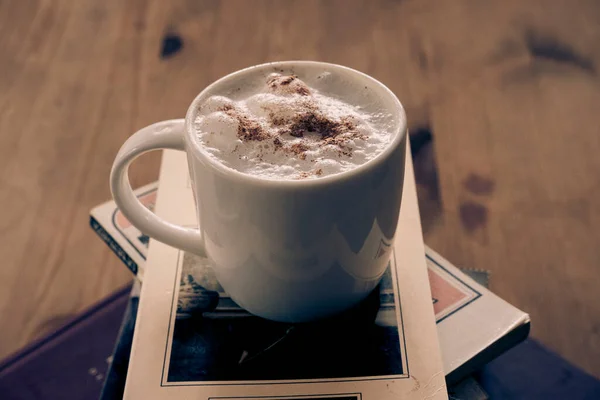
(302, 91)
(308, 123)
(288, 80)
(275, 120)
(318, 123)
(288, 84)
(294, 133)
(313, 124)
(299, 149)
(248, 128)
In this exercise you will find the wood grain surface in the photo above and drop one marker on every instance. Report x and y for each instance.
(508, 89)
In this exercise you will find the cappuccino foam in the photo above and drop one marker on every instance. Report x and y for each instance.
(286, 128)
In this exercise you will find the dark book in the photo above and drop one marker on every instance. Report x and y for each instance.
(70, 363)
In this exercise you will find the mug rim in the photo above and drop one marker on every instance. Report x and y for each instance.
(194, 145)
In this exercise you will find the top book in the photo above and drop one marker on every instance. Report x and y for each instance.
(192, 341)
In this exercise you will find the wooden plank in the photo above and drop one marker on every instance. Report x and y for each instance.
(508, 88)
(52, 263)
(515, 143)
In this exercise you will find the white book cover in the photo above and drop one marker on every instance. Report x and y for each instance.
(191, 342)
(124, 239)
(474, 325)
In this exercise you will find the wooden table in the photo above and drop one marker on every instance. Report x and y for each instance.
(510, 91)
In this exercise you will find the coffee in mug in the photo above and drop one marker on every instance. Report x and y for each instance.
(285, 127)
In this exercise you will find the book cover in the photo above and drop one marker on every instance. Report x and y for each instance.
(474, 325)
(70, 363)
(190, 340)
(124, 239)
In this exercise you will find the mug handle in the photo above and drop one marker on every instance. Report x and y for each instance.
(161, 135)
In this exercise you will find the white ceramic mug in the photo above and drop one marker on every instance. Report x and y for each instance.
(287, 250)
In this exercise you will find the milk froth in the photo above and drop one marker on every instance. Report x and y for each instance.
(286, 126)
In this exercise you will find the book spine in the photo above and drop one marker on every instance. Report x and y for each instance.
(114, 245)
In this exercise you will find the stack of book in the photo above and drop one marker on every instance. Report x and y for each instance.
(428, 319)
